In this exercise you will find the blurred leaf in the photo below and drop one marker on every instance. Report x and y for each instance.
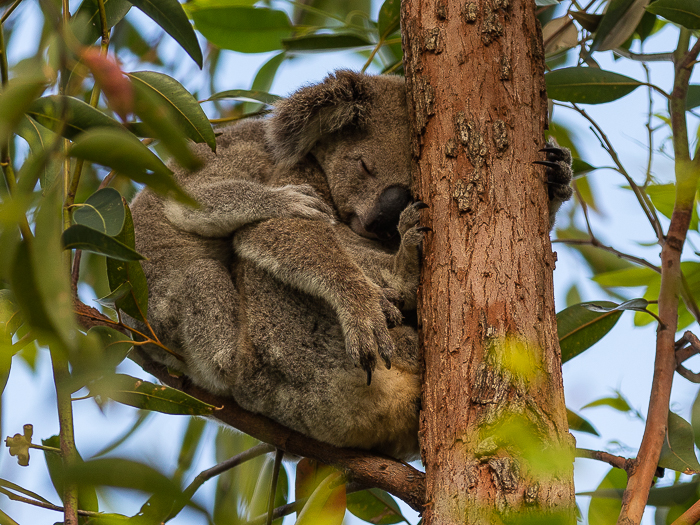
(635, 276)
(646, 26)
(87, 497)
(133, 301)
(240, 28)
(79, 237)
(102, 211)
(116, 345)
(170, 15)
(619, 21)
(576, 422)
(85, 22)
(147, 396)
(683, 12)
(605, 510)
(588, 85)
(579, 328)
(79, 116)
(327, 504)
(673, 495)
(663, 196)
(693, 98)
(40, 278)
(559, 34)
(6, 520)
(10, 318)
(375, 506)
(189, 446)
(140, 420)
(324, 43)
(573, 296)
(695, 419)
(16, 97)
(541, 3)
(618, 403)
(19, 445)
(121, 151)
(244, 94)
(261, 494)
(588, 21)
(581, 167)
(187, 112)
(262, 84)
(19, 490)
(678, 451)
(389, 17)
(159, 120)
(41, 140)
(110, 300)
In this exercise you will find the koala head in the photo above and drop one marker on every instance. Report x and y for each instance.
(356, 127)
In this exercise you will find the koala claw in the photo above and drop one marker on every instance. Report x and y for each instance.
(420, 205)
(547, 163)
(559, 174)
(303, 201)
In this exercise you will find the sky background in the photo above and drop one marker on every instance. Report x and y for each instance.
(622, 361)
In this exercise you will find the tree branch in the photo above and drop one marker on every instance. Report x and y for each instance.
(692, 515)
(367, 469)
(625, 464)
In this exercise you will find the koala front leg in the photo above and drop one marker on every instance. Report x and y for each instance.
(308, 256)
(230, 204)
(559, 177)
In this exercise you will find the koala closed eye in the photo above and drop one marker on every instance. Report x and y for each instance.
(365, 171)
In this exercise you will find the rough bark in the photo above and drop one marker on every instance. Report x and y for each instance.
(495, 440)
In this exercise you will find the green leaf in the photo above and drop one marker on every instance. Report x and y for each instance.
(245, 94)
(134, 301)
(140, 420)
(627, 277)
(148, 396)
(695, 419)
(542, 3)
(576, 422)
(187, 112)
(326, 505)
(663, 196)
(102, 211)
(263, 82)
(579, 328)
(170, 15)
(693, 98)
(190, 444)
(123, 152)
(375, 506)
(160, 121)
(581, 167)
(41, 140)
(17, 96)
(79, 116)
(637, 305)
(17, 489)
(240, 28)
(261, 494)
(619, 22)
(116, 345)
(10, 318)
(673, 495)
(683, 12)
(605, 509)
(85, 22)
(389, 17)
(79, 237)
(588, 85)
(87, 497)
(323, 42)
(619, 403)
(588, 21)
(678, 451)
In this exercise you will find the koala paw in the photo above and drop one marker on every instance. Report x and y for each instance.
(302, 201)
(392, 301)
(559, 173)
(367, 334)
(411, 233)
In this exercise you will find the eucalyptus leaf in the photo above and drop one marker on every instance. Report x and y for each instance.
(69, 116)
(79, 237)
(619, 403)
(389, 17)
(240, 28)
(102, 211)
(17, 97)
(606, 501)
(85, 22)
(245, 94)
(620, 20)
(141, 394)
(124, 153)
(683, 12)
(323, 42)
(326, 504)
(678, 451)
(375, 506)
(638, 305)
(170, 15)
(579, 423)
(588, 85)
(580, 328)
(184, 106)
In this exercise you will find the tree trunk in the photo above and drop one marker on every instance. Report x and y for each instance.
(495, 440)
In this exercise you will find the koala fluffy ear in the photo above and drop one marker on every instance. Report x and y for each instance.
(298, 122)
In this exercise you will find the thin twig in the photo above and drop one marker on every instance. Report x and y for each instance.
(49, 506)
(595, 242)
(273, 485)
(643, 57)
(616, 461)
(690, 516)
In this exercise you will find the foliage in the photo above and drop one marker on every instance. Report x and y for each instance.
(78, 130)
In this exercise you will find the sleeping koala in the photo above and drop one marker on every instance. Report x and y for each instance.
(278, 290)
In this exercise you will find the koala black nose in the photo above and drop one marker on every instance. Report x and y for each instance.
(384, 217)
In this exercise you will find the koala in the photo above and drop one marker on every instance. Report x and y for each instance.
(288, 286)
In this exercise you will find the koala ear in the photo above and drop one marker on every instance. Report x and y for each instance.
(298, 122)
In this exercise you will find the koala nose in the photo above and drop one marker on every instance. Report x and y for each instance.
(384, 216)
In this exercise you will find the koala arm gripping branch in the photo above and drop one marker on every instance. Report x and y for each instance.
(308, 256)
(227, 205)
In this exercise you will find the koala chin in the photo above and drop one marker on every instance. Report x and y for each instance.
(286, 289)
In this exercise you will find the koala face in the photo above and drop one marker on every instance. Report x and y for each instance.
(356, 127)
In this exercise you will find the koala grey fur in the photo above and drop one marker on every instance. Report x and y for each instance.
(282, 283)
